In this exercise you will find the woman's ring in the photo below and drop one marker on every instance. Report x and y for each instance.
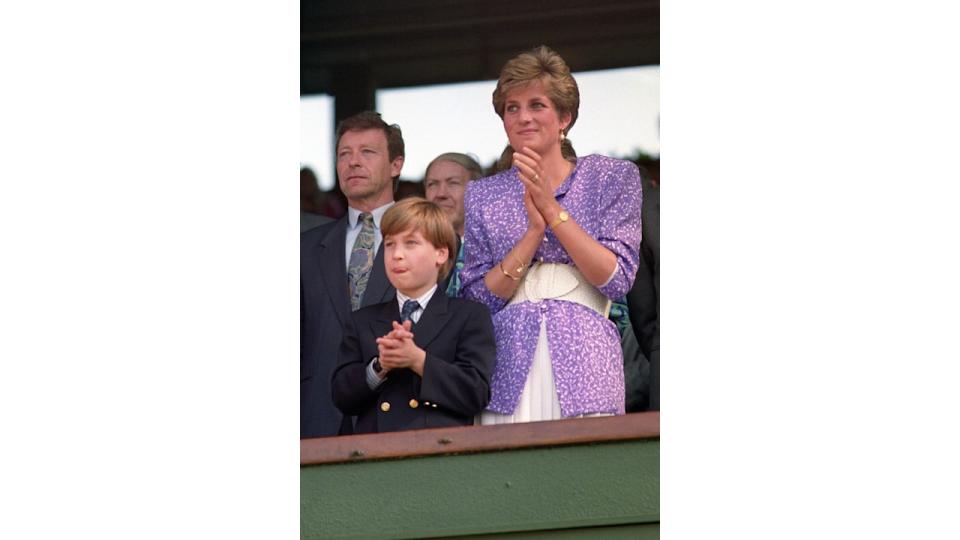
(536, 178)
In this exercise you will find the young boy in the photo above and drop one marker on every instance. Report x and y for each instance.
(422, 360)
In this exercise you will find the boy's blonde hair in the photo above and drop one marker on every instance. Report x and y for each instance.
(419, 214)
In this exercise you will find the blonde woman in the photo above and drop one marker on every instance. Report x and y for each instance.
(549, 242)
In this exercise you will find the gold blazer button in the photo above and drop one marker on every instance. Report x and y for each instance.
(384, 406)
(414, 404)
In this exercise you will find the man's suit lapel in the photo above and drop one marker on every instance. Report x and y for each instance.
(333, 268)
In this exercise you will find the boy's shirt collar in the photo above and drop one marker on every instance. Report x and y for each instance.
(423, 301)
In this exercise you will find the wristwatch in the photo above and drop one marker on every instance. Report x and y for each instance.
(562, 217)
(377, 368)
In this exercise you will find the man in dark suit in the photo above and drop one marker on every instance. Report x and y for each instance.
(644, 297)
(341, 263)
(420, 360)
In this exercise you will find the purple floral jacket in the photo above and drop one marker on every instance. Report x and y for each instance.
(603, 195)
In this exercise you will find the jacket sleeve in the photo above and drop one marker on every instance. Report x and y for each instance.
(351, 394)
(621, 225)
(478, 253)
(304, 369)
(643, 298)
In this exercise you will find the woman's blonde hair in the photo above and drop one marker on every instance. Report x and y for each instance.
(545, 65)
(419, 214)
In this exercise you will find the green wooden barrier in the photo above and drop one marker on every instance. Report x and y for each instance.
(593, 477)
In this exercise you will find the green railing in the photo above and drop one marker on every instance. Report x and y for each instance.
(591, 477)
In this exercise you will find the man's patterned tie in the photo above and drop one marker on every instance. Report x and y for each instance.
(361, 261)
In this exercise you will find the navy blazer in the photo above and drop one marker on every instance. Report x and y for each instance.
(324, 309)
(457, 335)
(643, 300)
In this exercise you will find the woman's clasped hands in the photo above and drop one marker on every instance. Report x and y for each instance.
(538, 191)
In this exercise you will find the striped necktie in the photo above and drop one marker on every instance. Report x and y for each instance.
(406, 313)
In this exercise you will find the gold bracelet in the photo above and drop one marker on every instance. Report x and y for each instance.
(522, 268)
(506, 273)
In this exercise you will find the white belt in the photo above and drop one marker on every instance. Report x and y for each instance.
(556, 281)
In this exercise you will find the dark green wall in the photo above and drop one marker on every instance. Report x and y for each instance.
(612, 485)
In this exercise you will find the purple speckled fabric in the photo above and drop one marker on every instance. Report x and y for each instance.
(603, 195)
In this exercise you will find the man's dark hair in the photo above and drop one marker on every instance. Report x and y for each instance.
(371, 120)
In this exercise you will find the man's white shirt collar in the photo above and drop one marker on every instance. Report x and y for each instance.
(354, 215)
